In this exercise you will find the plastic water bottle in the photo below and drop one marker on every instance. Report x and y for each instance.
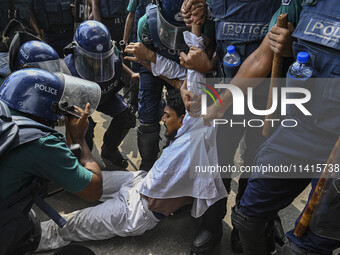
(231, 62)
(300, 70)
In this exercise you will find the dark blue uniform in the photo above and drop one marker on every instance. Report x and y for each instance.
(56, 19)
(150, 105)
(111, 104)
(307, 144)
(243, 24)
(113, 13)
(140, 11)
(20, 12)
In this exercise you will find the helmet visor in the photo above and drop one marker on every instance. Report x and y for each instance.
(98, 67)
(170, 35)
(53, 66)
(77, 93)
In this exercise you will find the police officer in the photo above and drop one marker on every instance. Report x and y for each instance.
(265, 196)
(94, 59)
(243, 25)
(158, 50)
(112, 13)
(31, 97)
(136, 10)
(17, 9)
(56, 20)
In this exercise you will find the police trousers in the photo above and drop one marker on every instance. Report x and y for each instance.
(266, 194)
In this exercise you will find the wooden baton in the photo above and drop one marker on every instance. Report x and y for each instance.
(282, 21)
(303, 224)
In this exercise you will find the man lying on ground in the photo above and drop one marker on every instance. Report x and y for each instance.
(134, 202)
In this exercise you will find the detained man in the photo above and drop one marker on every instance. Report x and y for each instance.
(134, 202)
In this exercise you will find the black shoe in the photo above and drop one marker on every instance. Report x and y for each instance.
(116, 158)
(236, 246)
(205, 240)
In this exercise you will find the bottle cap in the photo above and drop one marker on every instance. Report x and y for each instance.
(231, 49)
(302, 57)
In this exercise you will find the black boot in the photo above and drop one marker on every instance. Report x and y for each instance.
(253, 233)
(211, 229)
(114, 135)
(148, 144)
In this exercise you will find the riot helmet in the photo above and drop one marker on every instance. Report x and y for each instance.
(48, 96)
(94, 52)
(170, 24)
(27, 51)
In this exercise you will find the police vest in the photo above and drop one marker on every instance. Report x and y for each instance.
(113, 8)
(155, 43)
(242, 23)
(54, 15)
(318, 33)
(21, 12)
(140, 11)
(108, 88)
(16, 131)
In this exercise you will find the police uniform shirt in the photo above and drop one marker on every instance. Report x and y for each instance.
(292, 7)
(132, 6)
(47, 157)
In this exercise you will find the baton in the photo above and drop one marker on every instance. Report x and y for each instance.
(307, 213)
(282, 21)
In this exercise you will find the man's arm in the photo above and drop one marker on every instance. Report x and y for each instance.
(176, 83)
(76, 128)
(96, 10)
(134, 76)
(167, 206)
(34, 24)
(128, 26)
(145, 56)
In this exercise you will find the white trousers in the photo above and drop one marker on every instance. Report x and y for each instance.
(123, 213)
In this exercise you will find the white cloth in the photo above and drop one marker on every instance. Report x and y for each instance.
(122, 213)
(168, 68)
(173, 174)
(194, 77)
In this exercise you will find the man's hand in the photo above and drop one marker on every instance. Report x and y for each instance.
(135, 77)
(76, 127)
(213, 112)
(194, 11)
(140, 52)
(191, 101)
(281, 41)
(196, 59)
(73, 9)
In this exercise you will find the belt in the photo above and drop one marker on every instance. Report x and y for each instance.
(60, 31)
(114, 20)
(159, 216)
